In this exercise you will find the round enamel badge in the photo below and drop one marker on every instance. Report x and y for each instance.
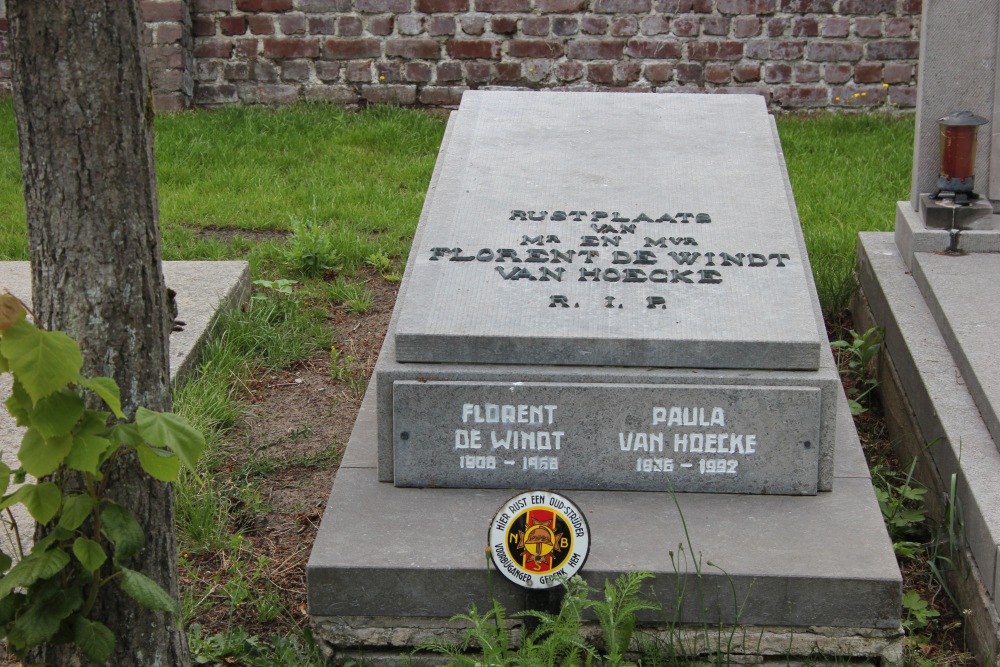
(539, 538)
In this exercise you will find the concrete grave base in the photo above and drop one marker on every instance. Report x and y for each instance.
(391, 565)
(939, 387)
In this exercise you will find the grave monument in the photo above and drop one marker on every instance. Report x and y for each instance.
(609, 295)
(933, 287)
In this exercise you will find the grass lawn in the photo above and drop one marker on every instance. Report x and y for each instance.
(323, 203)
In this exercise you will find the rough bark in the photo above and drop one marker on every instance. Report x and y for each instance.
(84, 119)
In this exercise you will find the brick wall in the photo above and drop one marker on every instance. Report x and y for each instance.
(797, 53)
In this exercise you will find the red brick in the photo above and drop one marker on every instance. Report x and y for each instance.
(778, 26)
(868, 27)
(627, 72)
(503, 5)
(332, 94)
(382, 6)
(569, 70)
(296, 70)
(449, 71)
(478, 72)
(801, 96)
(391, 72)
(715, 50)
(168, 102)
(897, 73)
(503, 25)
(441, 25)
(911, 7)
(746, 26)
(807, 6)
(600, 73)
(690, 73)
(208, 6)
(718, 73)
(328, 70)
(213, 48)
(474, 48)
(716, 25)
(390, 94)
(351, 49)
(162, 11)
(746, 6)
(836, 26)
(898, 27)
(622, 6)
(380, 25)
(744, 72)
(805, 26)
(202, 26)
(166, 80)
(867, 7)
(294, 24)
(261, 25)
(564, 26)
(654, 49)
(508, 72)
(359, 71)
(596, 49)
(291, 47)
(323, 6)
(654, 25)
(685, 26)
(246, 47)
(534, 48)
(207, 70)
(410, 24)
(536, 26)
(837, 73)
(441, 96)
(624, 26)
(349, 26)
(889, 49)
(418, 49)
(263, 5)
(864, 96)
(868, 73)
(594, 25)
(682, 6)
(431, 6)
(777, 72)
(659, 72)
(834, 51)
(323, 25)
(559, 6)
(807, 73)
(205, 94)
(904, 97)
(233, 25)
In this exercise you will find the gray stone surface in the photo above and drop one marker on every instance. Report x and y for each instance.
(958, 439)
(945, 214)
(964, 298)
(202, 287)
(912, 236)
(607, 437)
(958, 69)
(626, 161)
(797, 561)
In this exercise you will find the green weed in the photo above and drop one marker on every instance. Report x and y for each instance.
(353, 295)
(860, 354)
(311, 250)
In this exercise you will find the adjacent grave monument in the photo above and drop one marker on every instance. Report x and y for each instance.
(934, 289)
(610, 294)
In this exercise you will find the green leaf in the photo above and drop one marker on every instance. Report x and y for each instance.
(39, 621)
(119, 526)
(108, 390)
(164, 429)
(76, 510)
(4, 477)
(19, 405)
(42, 500)
(95, 640)
(5, 562)
(94, 422)
(43, 361)
(39, 455)
(158, 463)
(85, 454)
(147, 592)
(36, 565)
(57, 413)
(89, 553)
(125, 435)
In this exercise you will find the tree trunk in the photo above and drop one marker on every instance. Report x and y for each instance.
(84, 119)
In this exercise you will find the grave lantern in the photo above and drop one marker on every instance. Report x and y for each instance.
(958, 156)
(954, 205)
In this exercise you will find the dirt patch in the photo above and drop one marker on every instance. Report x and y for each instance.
(227, 234)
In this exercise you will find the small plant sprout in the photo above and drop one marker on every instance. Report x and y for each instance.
(860, 354)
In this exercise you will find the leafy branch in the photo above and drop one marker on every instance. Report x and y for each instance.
(49, 593)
